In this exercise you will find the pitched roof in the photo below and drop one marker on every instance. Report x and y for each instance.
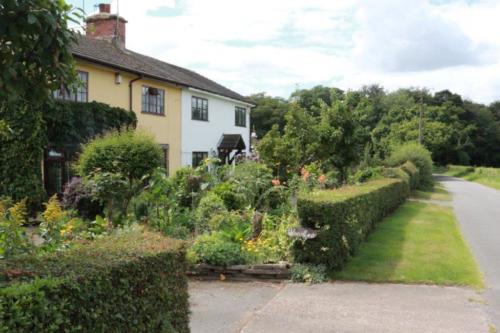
(231, 142)
(106, 53)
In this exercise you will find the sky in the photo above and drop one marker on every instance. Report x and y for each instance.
(278, 46)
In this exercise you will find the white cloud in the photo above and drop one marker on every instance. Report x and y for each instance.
(273, 45)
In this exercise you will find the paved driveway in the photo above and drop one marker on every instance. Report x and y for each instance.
(477, 208)
(225, 307)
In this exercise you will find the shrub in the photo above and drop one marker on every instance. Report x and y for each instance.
(215, 249)
(132, 281)
(413, 173)
(397, 173)
(227, 192)
(252, 180)
(365, 174)
(187, 184)
(342, 218)
(311, 274)
(77, 196)
(211, 204)
(131, 154)
(419, 156)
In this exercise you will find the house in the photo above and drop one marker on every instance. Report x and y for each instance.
(190, 116)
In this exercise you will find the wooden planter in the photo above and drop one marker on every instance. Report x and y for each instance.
(264, 272)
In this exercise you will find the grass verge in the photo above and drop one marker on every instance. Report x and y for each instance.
(486, 176)
(438, 193)
(418, 243)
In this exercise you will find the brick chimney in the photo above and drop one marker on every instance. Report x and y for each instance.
(107, 26)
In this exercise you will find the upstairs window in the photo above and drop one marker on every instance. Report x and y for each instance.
(199, 108)
(77, 93)
(199, 157)
(153, 100)
(240, 117)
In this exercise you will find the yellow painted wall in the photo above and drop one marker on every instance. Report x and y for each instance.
(166, 129)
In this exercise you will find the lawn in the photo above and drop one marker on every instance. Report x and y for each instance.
(419, 243)
(486, 176)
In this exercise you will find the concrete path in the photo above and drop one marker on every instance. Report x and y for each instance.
(225, 307)
(477, 208)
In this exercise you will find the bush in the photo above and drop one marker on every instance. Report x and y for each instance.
(216, 249)
(342, 218)
(227, 192)
(413, 173)
(252, 180)
(211, 204)
(133, 281)
(77, 196)
(131, 154)
(419, 156)
(397, 173)
(309, 273)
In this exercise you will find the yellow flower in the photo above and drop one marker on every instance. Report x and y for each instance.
(53, 212)
(19, 212)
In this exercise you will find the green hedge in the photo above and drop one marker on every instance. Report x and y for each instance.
(343, 218)
(133, 281)
(413, 172)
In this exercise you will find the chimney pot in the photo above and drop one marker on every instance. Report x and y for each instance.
(106, 26)
(104, 8)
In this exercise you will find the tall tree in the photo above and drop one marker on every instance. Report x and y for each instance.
(268, 111)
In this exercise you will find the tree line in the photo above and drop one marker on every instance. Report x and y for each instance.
(345, 128)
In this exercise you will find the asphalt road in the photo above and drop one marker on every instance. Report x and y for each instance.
(477, 208)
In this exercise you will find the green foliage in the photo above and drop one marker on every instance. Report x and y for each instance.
(21, 151)
(343, 218)
(339, 144)
(311, 274)
(228, 192)
(365, 174)
(132, 281)
(329, 138)
(13, 240)
(159, 205)
(211, 204)
(413, 172)
(252, 182)
(419, 156)
(486, 176)
(269, 111)
(77, 123)
(216, 249)
(131, 154)
(35, 59)
(115, 165)
(35, 53)
(453, 130)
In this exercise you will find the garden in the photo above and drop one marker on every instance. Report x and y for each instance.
(111, 253)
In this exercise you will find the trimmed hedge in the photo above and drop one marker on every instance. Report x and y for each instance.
(343, 218)
(419, 156)
(133, 281)
(413, 172)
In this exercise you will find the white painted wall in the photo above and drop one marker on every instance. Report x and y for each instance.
(200, 135)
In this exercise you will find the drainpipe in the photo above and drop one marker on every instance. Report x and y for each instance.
(130, 90)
